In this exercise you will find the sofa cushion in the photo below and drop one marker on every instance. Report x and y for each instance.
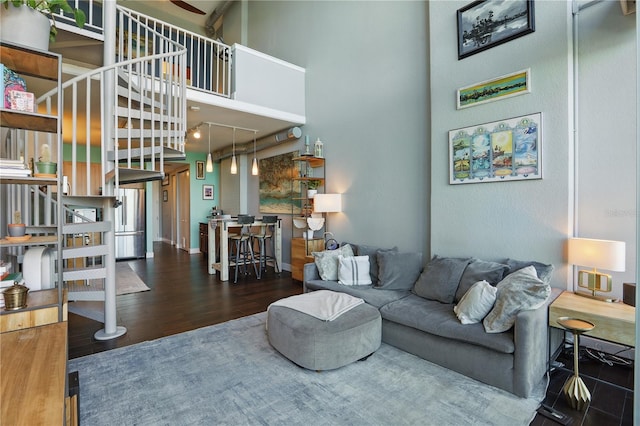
(327, 261)
(544, 271)
(519, 291)
(478, 270)
(372, 252)
(440, 278)
(431, 316)
(353, 270)
(476, 303)
(398, 271)
(371, 295)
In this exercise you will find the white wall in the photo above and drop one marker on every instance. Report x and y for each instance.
(366, 98)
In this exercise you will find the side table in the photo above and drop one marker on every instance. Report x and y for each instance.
(575, 391)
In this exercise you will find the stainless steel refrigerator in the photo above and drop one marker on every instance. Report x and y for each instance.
(130, 224)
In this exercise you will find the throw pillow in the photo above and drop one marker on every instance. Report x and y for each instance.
(519, 291)
(479, 270)
(476, 303)
(353, 270)
(544, 271)
(398, 271)
(372, 252)
(327, 261)
(440, 278)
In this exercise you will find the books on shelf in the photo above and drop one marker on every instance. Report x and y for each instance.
(13, 168)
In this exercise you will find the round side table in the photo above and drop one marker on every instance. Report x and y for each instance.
(575, 391)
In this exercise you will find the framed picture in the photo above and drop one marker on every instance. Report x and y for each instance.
(207, 192)
(506, 86)
(276, 184)
(165, 180)
(503, 150)
(487, 23)
(200, 170)
(165, 195)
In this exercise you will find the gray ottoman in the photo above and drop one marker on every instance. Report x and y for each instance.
(324, 345)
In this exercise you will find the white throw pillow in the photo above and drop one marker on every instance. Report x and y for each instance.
(519, 291)
(353, 270)
(476, 303)
(327, 261)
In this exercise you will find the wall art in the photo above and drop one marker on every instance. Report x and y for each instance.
(207, 192)
(200, 170)
(487, 23)
(506, 86)
(503, 150)
(276, 184)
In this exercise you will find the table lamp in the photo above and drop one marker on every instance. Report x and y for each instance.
(327, 203)
(602, 254)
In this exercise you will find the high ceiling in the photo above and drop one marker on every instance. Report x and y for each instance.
(172, 13)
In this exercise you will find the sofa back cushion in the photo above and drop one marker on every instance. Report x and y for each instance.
(398, 270)
(372, 252)
(440, 278)
(543, 271)
(479, 270)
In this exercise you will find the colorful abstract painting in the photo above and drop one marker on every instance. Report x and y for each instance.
(276, 184)
(503, 150)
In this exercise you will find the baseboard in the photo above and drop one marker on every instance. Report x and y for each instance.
(149, 255)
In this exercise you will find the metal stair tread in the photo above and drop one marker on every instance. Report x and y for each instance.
(169, 154)
(135, 175)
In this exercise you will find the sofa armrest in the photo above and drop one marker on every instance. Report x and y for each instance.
(309, 273)
(532, 351)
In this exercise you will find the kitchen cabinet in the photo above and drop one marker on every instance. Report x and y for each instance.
(204, 238)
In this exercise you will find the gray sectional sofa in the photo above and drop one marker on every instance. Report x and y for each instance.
(416, 302)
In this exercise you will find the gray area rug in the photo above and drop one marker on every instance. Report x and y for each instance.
(228, 374)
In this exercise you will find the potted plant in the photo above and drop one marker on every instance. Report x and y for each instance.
(312, 187)
(17, 228)
(45, 166)
(29, 22)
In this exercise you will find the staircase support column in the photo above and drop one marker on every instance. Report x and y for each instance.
(111, 329)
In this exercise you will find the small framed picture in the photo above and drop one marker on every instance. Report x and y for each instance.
(165, 195)
(165, 181)
(200, 170)
(207, 192)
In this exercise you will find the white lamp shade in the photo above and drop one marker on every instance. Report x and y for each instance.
(327, 203)
(209, 167)
(234, 165)
(602, 254)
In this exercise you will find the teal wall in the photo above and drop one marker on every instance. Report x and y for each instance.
(199, 208)
(94, 153)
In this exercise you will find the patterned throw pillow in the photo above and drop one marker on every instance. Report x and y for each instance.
(327, 261)
(353, 270)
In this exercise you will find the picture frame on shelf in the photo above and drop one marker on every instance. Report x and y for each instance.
(505, 150)
(485, 24)
(200, 170)
(503, 87)
(207, 192)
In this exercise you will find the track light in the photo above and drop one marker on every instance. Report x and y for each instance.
(254, 167)
(209, 160)
(234, 161)
(196, 133)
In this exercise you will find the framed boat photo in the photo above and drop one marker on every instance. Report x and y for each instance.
(487, 23)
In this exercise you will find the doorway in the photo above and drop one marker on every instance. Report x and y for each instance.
(183, 210)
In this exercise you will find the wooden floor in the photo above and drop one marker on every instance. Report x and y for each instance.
(184, 297)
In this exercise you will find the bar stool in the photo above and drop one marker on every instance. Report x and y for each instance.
(242, 246)
(575, 391)
(267, 235)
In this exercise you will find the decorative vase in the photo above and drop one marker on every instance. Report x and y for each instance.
(17, 229)
(24, 26)
(311, 193)
(47, 168)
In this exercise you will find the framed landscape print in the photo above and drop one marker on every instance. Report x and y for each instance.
(503, 150)
(517, 83)
(276, 184)
(487, 23)
(207, 192)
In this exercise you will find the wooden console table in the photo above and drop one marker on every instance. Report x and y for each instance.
(615, 322)
(222, 265)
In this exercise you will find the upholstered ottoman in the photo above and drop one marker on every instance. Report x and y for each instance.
(324, 345)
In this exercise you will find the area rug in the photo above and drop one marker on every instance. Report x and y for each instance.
(228, 374)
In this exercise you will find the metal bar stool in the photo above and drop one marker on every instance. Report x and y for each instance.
(242, 246)
(267, 235)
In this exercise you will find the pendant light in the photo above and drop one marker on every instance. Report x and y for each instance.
(254, 167)
(209, 160)
(234, 162)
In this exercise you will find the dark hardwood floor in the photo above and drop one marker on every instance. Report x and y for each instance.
(184, 297)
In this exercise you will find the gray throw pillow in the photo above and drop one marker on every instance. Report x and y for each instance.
(519, 291)
(398, 271)
(544, 271)
(327, 261)
(480, 270)
(440, 278)
(372, 252)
